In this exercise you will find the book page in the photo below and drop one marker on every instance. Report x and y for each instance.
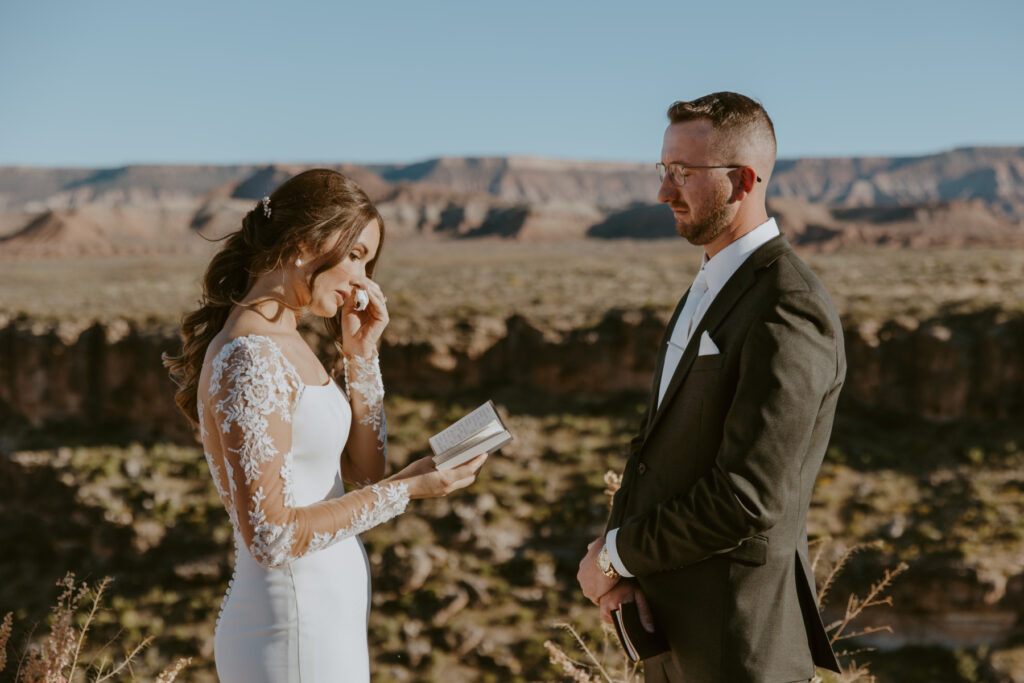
(464, 429)
(624, 635)
(491, 430)
(456, 458)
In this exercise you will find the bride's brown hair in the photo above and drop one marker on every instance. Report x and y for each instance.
(306, 211)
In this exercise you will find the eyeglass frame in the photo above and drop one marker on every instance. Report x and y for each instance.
(663, 170)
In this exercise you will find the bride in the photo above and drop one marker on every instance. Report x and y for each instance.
(281, 437)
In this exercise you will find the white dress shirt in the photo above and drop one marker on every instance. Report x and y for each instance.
(713, 275)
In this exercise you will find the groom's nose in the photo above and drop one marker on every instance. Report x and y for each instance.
(668, 191)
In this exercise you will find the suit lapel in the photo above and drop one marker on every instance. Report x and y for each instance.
(713, 319)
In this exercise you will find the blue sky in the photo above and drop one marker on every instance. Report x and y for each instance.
(105, 83)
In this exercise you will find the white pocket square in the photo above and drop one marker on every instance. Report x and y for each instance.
(707, 347)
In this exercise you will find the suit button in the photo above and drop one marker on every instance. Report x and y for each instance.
(642, 468)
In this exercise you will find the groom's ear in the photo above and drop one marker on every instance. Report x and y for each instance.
(744, 180)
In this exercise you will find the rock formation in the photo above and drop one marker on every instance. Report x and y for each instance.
(962, 197)
(960, 366)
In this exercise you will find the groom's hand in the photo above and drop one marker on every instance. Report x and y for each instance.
(592, 580)
(627, 591)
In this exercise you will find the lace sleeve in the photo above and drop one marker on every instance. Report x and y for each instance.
(363, 380)
(253, 392)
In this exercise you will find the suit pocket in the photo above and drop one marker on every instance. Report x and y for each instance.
(753, 551)
(712, 362)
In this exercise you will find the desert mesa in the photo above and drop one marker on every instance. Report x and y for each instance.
(972, 196)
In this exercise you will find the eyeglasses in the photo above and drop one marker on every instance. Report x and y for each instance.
(677, 172)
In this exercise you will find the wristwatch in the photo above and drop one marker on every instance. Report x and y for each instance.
(604, 562)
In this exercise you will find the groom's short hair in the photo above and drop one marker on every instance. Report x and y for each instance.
(742, 125)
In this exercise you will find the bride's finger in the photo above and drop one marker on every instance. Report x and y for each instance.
(348, 307)
(470, 478)
(465, 474)
(377, 302)
(463, 483)
(473, 465)
(371, 285)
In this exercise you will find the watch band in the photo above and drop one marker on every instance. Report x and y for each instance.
(604, 563)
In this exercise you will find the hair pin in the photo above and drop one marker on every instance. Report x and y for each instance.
(266, 206)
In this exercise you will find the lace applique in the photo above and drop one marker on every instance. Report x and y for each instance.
(391, 502)
(226, 498)
(288, 488)
(231, 477)
(271, 543)
(232, 490)
(368, 383)
(215, 473)
(260, 384)
(202, 423)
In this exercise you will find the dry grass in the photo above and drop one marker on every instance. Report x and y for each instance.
(565, 285)
(5, 635)
(595, 669)
(584, 671)
(855, 605)
(57, 658)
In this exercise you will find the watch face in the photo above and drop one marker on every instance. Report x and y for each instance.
(603, 560)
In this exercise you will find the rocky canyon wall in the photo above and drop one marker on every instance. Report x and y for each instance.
(110, 374)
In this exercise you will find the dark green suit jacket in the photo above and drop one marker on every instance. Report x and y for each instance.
(713, 504)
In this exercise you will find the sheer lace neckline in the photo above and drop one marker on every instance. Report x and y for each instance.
(234, 341)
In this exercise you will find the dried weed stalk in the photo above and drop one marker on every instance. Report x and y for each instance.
(5, 635)
(612, 482)
(855, 606)
(57, 660)
(573, 670)
(170, 673)
(840, 564)
(582, 672)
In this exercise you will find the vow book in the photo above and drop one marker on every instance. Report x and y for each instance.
(638, 642)
(480, 431)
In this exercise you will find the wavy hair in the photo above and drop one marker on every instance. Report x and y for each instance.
(306, 211)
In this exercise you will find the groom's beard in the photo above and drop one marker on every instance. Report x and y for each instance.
(706, 222)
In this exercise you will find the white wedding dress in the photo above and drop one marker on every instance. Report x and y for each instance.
(297, 606)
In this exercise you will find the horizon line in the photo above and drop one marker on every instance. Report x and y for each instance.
(425, 160)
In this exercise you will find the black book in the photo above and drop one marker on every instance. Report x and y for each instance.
(638, 642)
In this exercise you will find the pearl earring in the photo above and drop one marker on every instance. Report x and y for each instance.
(298, 263)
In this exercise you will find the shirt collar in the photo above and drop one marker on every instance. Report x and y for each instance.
(719, 269)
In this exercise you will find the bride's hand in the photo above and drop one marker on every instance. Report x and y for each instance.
(426, 481)
(360, 330)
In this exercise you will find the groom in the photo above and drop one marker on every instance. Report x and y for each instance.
(708, 530)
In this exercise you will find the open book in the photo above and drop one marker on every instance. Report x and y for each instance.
(478, 432)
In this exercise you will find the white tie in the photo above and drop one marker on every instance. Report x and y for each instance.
(683, 330)
(698, 291)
